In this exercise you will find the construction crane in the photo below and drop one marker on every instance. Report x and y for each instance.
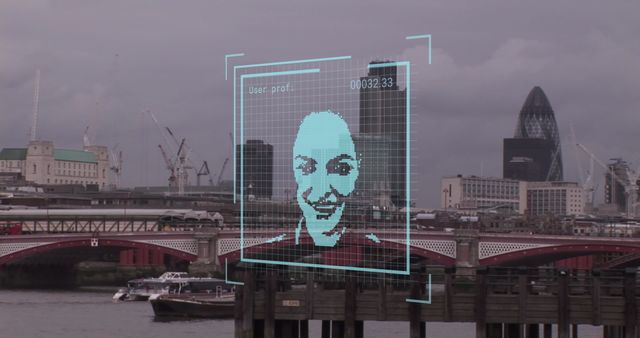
(204, 171)
(630, 185)
(115, 165)
(170, 167)
(587, 183)
(226, 160)
(36, 107)
(180, 167)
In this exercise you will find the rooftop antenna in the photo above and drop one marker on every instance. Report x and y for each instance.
(36, 105)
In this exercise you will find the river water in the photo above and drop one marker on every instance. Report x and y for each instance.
(92, 314)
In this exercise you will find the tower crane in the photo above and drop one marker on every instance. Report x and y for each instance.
(226, 161)
(630, 185)
(36, 107)
(204, 171)
(170, 167)
(587, 183)
(180, 167)
(115, 165)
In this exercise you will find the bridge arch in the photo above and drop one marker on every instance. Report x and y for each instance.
(550, 253)
(11, 252)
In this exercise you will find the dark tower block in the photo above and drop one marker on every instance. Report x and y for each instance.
(383, 115)
(258, 169)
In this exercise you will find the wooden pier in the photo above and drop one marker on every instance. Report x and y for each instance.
(504, 303)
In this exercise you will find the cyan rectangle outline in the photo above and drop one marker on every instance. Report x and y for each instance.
(423, 36)
(276, 63)
(226, 275)
(226, 58)
(421, 301)
(408, 162)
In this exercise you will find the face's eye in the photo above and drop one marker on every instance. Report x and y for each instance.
(305, 164)
(341, 165)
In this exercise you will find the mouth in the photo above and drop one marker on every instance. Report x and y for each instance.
(324, 210)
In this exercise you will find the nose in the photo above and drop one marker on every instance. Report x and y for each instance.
(321, 189)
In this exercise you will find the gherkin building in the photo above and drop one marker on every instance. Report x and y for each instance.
(537, 121)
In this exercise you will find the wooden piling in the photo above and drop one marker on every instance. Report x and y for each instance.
(563, 304)
(382, 300)
(481, 303)
(448, 293)
(630, 304)
(533, 331)
(238, 308)
(247, 304)
(326, 329)
(415, 315)
(596, 315)
(350, 307)
(547, 331)
(270, 305)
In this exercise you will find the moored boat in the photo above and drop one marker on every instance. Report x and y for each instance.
(169, 283)
(194, 306)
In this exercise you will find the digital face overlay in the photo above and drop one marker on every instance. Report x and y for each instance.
(326, 170)
(322, 163)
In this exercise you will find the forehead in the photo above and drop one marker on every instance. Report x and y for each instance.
(323, 134)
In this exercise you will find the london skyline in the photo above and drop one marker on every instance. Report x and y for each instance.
(466, 102)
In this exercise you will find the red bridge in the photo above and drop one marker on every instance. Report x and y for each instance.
(463, 248)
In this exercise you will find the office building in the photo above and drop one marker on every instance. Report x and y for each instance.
(257, 171)
(615, 192)
(472, 194)
(526, 159)
(43, 164)
(373, 181)
(383, 115)
(555, 199)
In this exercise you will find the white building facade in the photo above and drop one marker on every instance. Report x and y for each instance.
(555, 198)
(471, 194)
(41, 163)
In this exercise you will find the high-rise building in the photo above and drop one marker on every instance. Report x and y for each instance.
(373, 182)
(42, 163)
(383, 115)
(526, 159)
(258, 169)
(534, 154)
(615, 189)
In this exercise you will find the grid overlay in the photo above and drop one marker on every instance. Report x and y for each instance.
(273, 100)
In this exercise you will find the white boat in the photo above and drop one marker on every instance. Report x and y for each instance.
(168, 283)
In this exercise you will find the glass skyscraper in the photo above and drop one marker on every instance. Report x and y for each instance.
(535, 122)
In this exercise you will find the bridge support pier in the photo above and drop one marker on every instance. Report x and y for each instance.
(207, 262)
(466, 251)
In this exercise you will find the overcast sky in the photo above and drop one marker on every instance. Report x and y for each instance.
(103, 62)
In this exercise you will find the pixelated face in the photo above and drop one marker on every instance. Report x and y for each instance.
(326, 170)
